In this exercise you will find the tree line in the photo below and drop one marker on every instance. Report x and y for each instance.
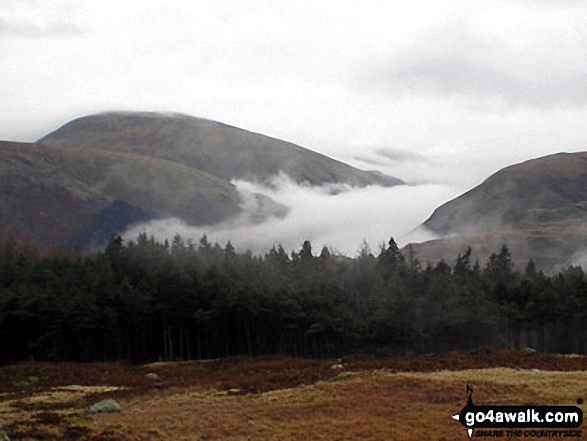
(145, 300)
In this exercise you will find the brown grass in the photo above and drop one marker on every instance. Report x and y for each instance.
(376, 405)
(280, 398)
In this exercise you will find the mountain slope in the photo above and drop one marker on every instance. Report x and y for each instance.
(97, 175)
(538, 208)
(215, 148)
(37, 203)
(73, 197)
(542, 189)
(162, 187)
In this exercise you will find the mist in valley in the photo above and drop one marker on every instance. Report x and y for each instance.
(339, 217)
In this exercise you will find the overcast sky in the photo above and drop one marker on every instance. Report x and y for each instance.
(434, 92)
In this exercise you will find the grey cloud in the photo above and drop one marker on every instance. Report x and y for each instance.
(369, 161)
(25, 29)
(397, 155)
(462, 77)
(387, 156)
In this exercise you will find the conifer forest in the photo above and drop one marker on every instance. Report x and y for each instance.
(142, 301)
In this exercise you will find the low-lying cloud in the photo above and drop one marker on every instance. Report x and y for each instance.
(340, 220)
(397, 155)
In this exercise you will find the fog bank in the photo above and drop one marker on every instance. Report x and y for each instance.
(339, 217)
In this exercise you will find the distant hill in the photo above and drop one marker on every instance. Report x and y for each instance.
(38, 203)
(98, 175)
(215, 148)
(538, 208)
(73, 197)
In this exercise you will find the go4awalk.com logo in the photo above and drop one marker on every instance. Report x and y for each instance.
(519, 421)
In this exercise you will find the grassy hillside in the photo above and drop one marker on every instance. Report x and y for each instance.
(161, 187)
(54, 195)
(541, 190)
(97, 175)
(538, 208)
(280, 398)
(38, 203)
(218, 149)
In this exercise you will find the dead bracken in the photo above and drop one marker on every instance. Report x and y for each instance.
(278, 397)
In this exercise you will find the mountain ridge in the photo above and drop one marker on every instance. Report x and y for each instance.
(97, 175)
(222, 150)
(537, 207)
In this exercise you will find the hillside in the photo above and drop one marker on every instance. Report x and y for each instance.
(98, 175)
(215, 148)
(38, 203)
(72, 197)
(281, 398)
(538, 208)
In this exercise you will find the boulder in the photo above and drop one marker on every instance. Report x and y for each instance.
(105, 406)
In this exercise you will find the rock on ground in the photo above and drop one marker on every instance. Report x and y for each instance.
(105, 406)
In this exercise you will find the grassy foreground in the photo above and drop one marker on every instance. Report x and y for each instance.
(280, 398)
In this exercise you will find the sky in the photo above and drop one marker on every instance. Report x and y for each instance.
(438, 93)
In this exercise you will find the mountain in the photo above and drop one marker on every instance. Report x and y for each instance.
(98, 175)
(74, 197)
(215, 148)
(37, 201)
(538, 208)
